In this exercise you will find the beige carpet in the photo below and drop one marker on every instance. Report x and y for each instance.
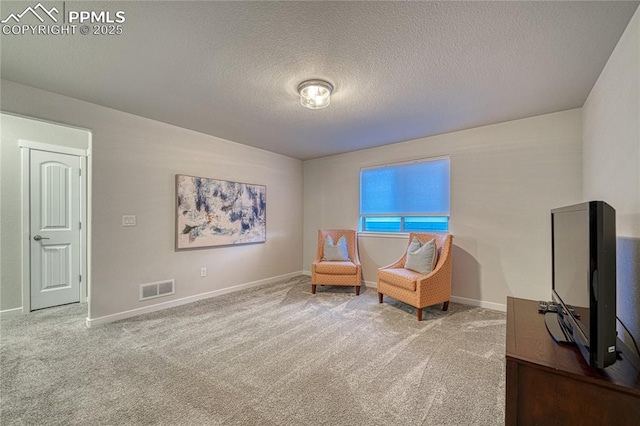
(272, 355)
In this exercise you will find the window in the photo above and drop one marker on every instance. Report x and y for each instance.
(405, 197)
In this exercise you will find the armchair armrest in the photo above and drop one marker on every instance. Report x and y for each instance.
(441, 274)
(355, 258)
(397, 264)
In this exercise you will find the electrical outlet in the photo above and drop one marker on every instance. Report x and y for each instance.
(128, 220)
(203, 272)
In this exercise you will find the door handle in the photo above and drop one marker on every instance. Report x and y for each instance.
(38, 238)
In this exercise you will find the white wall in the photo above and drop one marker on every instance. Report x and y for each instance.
(134, 163)
(611, 168)
(13, 128)
(505, 178)
(611, 121)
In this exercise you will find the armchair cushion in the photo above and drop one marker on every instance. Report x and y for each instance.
(337, 251)
(400, 277)
(421, 257)
(336, 268)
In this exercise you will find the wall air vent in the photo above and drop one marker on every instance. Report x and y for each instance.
(157, 289)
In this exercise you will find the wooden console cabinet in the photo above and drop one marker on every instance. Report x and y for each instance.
(551, 384)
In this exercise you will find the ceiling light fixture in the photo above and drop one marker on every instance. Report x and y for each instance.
(315, 94)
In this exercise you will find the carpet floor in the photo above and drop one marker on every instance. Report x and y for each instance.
(270, 355)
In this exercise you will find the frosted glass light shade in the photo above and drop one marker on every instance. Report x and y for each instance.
(315, 94)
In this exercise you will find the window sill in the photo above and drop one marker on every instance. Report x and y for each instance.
(369, 234)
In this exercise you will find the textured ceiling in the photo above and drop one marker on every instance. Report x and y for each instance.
(400, 70)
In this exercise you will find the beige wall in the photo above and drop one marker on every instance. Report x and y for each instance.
(134, 162)
(504, 180)
(611, 170)
(13, 128)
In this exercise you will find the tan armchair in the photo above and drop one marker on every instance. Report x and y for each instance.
(414, 288)
(345, 273)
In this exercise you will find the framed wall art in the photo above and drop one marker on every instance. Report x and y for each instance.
(211, 212)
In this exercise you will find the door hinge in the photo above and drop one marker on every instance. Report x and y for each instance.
(80, 225)
(79, 172)
(80, 278)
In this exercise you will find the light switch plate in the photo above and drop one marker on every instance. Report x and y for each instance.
(128, 220)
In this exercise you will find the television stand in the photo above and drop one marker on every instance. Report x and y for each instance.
(547, 382)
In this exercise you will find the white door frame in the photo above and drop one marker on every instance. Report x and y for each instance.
(85, 213)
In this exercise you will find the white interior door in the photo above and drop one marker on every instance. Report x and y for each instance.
(55, 229)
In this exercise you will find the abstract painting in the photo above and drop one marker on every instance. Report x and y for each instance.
(211, 212)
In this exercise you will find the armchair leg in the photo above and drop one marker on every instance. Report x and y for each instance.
(313, 289)
(419, 311)
(445, 306)
(379, 297)
(357, 290)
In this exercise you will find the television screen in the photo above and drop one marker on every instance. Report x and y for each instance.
(571, 263)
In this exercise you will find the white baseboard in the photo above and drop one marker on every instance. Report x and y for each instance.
(371, 284)
(480, 303)
(11, 312)
(461, 300)
(91, 322)
(455, 299)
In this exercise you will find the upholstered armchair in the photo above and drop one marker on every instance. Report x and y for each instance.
(414, 288)
(346, 272)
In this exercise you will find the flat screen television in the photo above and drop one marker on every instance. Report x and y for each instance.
(584, 280)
